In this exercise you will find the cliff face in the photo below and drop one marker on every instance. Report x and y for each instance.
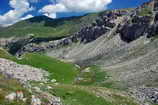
(102, 25)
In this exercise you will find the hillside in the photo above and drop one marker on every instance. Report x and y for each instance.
(107, 58)
(42, 26)
(62, 83)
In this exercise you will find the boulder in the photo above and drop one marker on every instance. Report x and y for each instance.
(11, 96)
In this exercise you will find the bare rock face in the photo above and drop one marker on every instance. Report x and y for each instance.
(135, 28)
(155, 5)
(21, 72)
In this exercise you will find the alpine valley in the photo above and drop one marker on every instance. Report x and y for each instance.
(105, 58)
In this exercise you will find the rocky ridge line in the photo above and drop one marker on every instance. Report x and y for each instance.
(102, 25)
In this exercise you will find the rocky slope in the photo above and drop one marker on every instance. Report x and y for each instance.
(16, 89)
(104, 24)
(127, 52)
(142, 19)
(21, 72)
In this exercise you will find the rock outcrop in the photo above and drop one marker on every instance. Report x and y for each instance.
(134, 28)
(155, 5)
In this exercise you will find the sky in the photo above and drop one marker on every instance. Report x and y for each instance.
(12, 11)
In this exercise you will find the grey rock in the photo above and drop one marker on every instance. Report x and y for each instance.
(23, 73)
(146, 94)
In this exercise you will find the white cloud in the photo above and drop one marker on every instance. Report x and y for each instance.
(26, 17)
(5, 24)
(20, 7)
(85, 5)
(54, 8)
(52, 15)
(76, 6)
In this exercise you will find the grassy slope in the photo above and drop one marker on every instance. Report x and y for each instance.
(81, 95)
(62, 72)
(69, 94)
(87, 95)
(46, 27)
(95, 77)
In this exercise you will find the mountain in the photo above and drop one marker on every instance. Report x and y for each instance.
(43, 26)
(111, 59)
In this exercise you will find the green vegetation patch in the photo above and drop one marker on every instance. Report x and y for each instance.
(5, 54)
(81, 95)
(146, 11)
(61, 71)
(94, 76)
(75, 96)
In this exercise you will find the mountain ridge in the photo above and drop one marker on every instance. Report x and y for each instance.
(50, 27)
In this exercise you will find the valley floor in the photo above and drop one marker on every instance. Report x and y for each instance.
(66, 84)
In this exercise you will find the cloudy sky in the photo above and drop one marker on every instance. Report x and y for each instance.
(12, 11)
